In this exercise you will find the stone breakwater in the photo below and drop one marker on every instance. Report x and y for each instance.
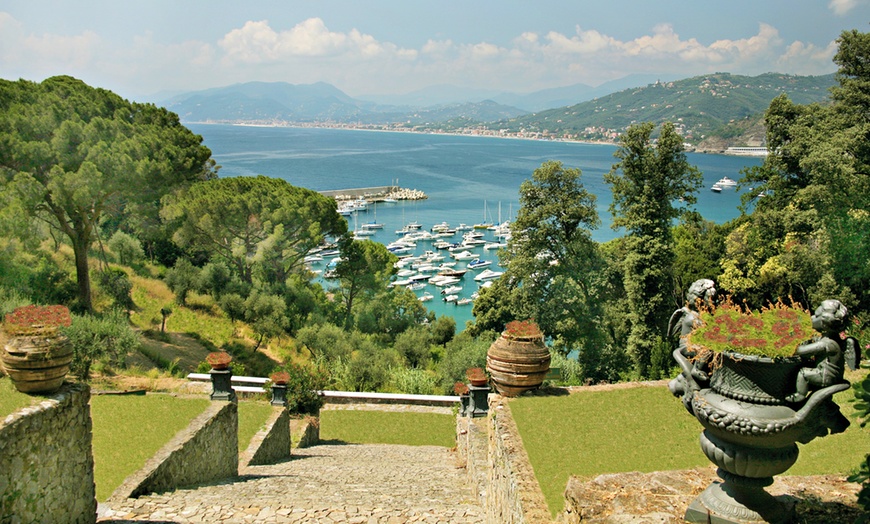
(328, 483)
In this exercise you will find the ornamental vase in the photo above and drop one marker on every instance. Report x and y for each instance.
(517, 363)
(37, 363)
(750, 434)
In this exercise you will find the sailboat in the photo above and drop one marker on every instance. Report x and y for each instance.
(484, 224)
(374, 223)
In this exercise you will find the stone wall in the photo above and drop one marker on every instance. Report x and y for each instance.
(46, 464)
(207, 450)
(272, 443)
(497, 465)
(309, 431)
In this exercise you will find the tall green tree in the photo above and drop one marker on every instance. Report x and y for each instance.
(256, 225)
(553, 265)
(364, 270)
(75, 154)
(652, 184)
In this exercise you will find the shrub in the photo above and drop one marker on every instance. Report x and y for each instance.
(412, 381)
(116, 284)
(127, 248)
(181, 279)
(106, 338)
(862, 476)
(303, 384)
(461, 353)
(50, 284)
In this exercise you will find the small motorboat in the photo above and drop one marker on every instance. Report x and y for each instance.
(488, 274)
(479, 264)
(716, 188)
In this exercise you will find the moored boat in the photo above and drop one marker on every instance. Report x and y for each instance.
(479, 264)
(488, 274)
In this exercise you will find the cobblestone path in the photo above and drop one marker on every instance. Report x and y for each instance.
(329, 483)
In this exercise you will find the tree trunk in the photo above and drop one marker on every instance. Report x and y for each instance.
(83, 277)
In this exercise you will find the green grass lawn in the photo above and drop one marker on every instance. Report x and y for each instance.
(11, 400)
(642, 429)
(121, 446)
(252, 417)
(386, 427)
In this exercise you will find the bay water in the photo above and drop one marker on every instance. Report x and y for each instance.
(467, 179)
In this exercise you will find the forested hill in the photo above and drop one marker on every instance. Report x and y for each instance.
(702, 107)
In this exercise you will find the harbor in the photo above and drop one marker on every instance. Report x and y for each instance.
(376, 194)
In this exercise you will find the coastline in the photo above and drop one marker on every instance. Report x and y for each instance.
(491, 134)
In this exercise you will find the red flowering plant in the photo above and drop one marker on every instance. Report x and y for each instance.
(475, 375)
(523, 329)
(36, 320)
(460, 388)
(280, 378)
(219, 360)
(774, 331)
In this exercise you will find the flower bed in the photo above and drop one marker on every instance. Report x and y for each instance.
(34, 319)
(775, 331)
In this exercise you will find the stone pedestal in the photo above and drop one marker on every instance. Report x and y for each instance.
(478, 401)
(220, 384)
(279, 395)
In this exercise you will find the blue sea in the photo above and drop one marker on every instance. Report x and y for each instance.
(467, 179)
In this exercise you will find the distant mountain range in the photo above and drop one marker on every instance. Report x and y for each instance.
(322, 102)
(705, 108)
(713, 108)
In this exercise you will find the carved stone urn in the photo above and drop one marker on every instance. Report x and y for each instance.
(750, 432)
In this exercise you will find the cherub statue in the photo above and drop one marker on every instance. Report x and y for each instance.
(831, 351)
(682, 322)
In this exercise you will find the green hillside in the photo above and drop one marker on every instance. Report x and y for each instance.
(702, 107)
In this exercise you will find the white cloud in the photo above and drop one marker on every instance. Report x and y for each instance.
(360, 63)
(842, 7)
(257, 42)
(57, 54)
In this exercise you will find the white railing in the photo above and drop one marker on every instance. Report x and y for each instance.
(244, 384)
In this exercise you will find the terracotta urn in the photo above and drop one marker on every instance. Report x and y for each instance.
(36, 356)
(518, 360)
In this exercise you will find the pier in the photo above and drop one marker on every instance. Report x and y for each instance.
(376, 194)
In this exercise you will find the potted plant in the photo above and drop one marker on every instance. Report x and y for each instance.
(219, 360)
(742, 385)
(37, 355)
(461, 390)
(221, 376)
(279, 380)
(476, 376)
(518, 360)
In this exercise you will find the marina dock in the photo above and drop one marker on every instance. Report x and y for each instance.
(376, 194)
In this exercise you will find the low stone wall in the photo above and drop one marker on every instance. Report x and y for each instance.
(46, 463)
(497, 464)
(472, 449)
(272, 443)
(207, 450)
(310, 431)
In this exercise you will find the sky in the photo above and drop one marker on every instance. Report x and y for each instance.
(145, 49)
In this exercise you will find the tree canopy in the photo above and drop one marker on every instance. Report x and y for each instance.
(652, 183)
(72, 154)
(809, 235)
(258, 226)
